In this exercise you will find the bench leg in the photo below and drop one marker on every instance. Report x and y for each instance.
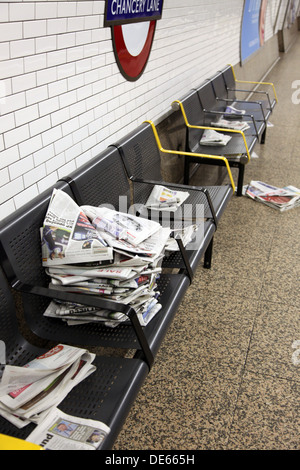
(263, 136)
(186, 176)
(208, 255)
(240, 180)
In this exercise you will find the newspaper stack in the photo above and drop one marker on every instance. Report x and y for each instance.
(211, 137)
(229, 124)
(134, 248)
(29, 393)
(281, 199)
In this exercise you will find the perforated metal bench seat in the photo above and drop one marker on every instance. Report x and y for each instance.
(106, 395)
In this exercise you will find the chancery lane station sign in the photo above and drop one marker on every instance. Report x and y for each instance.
(133, 25)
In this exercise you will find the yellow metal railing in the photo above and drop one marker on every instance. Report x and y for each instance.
(200, 155)
(255, 83)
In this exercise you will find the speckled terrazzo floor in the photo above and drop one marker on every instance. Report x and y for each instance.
(224, 376)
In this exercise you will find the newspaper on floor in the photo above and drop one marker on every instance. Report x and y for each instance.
(230, 124)
(28, 393)
(281, 199)
(211, 137)
(68, 236)
(59, 431)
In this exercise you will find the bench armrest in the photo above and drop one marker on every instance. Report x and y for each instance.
(191, 154)
(252, 92)
(253, 82)
(260, 83)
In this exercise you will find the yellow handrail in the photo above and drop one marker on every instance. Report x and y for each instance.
(255, 83)
(200, 155)
(191, 126)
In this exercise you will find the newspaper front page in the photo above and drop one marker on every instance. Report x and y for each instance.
(60, 431)
(68, 236)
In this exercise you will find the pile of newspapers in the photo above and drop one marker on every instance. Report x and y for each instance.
(103, 252)
(281, 199)
(32, 393)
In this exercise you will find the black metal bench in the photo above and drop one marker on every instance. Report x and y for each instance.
(106, 395)
(237, 151)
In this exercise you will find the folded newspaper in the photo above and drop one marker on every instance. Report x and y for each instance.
(230, 124)
(165, 199)
(281, 199)
(129, 276)
(232, 110)
(211, 137)
(29, 393)
(59, 431)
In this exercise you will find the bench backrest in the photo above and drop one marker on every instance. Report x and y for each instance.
(141, 157)
(229, 81)
(195, 116)
(101, 181)
(140, 153)
(206, 95)
(219, 86)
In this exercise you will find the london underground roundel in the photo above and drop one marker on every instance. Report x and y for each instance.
(133, 25)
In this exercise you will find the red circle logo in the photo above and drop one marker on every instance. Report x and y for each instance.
(133, 24)
(132, 63)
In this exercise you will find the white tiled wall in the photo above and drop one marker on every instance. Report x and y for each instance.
(62, 97)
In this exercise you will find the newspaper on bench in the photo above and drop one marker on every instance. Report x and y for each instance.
(59, 431)
(165, 199)
(29, 393)
(68, 236)
(210, 137)
(129, 276)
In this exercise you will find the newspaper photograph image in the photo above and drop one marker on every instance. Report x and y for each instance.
(60, 431)
(67, 235)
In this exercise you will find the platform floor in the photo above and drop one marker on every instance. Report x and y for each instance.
(224, 377)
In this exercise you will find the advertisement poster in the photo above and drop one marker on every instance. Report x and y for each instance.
(253, 27)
